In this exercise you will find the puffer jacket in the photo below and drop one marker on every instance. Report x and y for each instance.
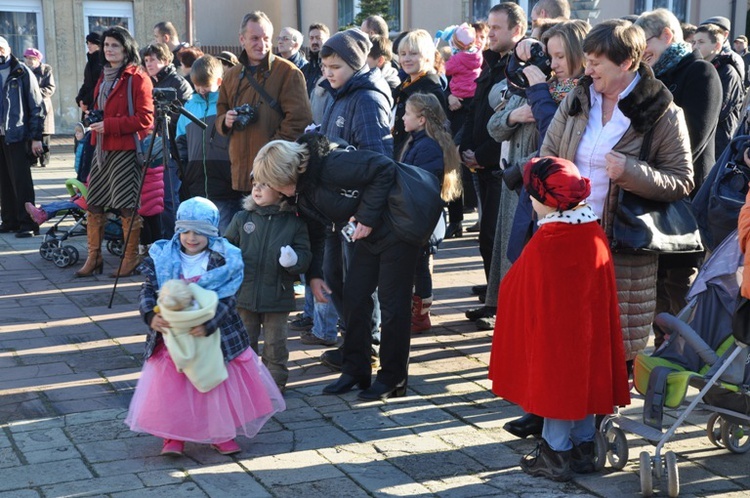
(23, 109)
(260, 232)
(667, 175)
(46, 80)
(152, 193)
(285, 83)
(204, 154)
(464, 68)
(359, 112)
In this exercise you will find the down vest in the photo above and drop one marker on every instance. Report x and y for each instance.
(667, 175)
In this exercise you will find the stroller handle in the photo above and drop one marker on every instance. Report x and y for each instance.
(672, 325)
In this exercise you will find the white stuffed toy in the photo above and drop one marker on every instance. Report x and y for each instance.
(186, 306)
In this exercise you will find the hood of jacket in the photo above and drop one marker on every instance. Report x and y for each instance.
(198, 104)
(249, 204)
(648, 101)
(365, 78)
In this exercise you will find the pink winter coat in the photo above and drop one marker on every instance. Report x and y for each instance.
(464, 69)
(152, 195)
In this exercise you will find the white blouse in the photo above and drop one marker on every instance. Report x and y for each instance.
(597, 141)
(195, 265)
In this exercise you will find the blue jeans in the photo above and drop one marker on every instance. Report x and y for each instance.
(227, 209)
(52, 208)
(561, 435)
(324, 316)
(171, 199)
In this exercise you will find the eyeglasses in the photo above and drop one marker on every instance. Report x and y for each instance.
(651, 38)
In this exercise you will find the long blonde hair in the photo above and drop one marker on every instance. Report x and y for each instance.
(428, 106)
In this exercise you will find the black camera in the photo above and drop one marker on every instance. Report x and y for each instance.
(164, 96)
(93, 116)
(515, 67)
(246, 115)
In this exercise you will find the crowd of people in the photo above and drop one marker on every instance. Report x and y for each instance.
(335, 164)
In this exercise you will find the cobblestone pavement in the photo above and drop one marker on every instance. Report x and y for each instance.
(69, 364)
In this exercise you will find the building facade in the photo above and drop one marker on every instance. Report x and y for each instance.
(58, 27)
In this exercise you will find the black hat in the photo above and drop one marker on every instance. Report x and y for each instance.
(228, 58)
(719, 21)
(351, 45)
(94, 37)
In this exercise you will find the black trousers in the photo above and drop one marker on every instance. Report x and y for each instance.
(16, 186)
(387, 266)
(490, 187)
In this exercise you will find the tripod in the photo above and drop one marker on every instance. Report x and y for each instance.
(164, 106)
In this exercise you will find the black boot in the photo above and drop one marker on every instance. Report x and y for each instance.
(582, 458)
(546, 462)
(454, 229)
(483, 312)
(346, 382)
(528, 425)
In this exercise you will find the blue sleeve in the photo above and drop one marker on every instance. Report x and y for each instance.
(543, 107)
(371, 127)
(429, 157)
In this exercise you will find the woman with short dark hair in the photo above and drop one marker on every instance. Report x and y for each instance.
(115, 178)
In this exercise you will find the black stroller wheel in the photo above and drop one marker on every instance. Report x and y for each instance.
(47, 248)
(61, 257)
(617, 448)
(713, 430)
(73, 253)
(736, 437)
(115, 247)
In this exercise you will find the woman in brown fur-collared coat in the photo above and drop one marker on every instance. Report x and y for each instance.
(600, 126)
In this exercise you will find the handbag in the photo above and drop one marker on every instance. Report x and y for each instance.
(414, 204)
(646, 226)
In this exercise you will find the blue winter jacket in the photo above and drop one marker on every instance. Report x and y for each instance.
(360, 112)
(23, 110)
(424, 152)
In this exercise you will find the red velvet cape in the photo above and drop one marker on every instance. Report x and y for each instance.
(557, 350)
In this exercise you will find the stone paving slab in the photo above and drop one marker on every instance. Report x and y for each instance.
(69, 364)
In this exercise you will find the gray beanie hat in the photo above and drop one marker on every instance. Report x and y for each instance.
(352, 45)
(719, 21)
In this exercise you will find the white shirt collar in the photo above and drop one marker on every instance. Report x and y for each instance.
(597, 97)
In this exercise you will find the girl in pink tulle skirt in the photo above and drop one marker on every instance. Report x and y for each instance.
(167, 402)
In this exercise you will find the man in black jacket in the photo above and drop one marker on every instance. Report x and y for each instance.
(91, 72)
(318, 34)
(479, 151)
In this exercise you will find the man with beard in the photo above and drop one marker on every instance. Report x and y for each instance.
(318, 34)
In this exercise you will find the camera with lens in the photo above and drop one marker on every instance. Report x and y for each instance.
(93, 116)
(515, 67)
(246, 115)
(164, 96)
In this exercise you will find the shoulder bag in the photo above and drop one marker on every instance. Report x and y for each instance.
(645, 226)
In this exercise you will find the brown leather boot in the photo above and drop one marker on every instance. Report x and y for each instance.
(130, 257)
(94, 233)
(420, 314)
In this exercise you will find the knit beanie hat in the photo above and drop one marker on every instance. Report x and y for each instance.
(32, 52)
(351, 45)
(199, 215)
(463, 37)
(555, 182)
(94, 37)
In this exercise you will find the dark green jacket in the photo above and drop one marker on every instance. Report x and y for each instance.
(260, 232)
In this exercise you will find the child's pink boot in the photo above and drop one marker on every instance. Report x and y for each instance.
(227, 447)
(173, 447)
(38, 215)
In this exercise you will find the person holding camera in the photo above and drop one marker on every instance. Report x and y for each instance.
(261, 99)
(115, 178)
(21, 124)
(46, 79)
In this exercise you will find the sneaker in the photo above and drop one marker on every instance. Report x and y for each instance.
(173, 447)
(307, 337)
(227, 447)
(545, 462)
(38, 215)
(477, 313)
(486, 323)
(303, 323)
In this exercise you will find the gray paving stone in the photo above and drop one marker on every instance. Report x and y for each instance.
(98, 486)
(8, 458)
(153, 478)
(381, 478)
(99, 431)
(341, 487)
(119, 449)
(290, 468)
(146, 462)
(185, 490)
(224, 481)
(325, 436)
(51, 454)
(96, 416)
(41, 439)
(41, 474)
(20, 493)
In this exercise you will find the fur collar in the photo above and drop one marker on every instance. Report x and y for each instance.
(248, 204)
(648, 101)
(319, 147)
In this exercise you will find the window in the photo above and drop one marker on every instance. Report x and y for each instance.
(98, 15)
(348, 10)
(678, 7)
(21, 24)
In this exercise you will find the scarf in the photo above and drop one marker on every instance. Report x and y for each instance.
(670, 57)
(583, 213)
(558, 89)
(110, 77)
(224, 280)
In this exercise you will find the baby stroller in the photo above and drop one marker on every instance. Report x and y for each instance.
(700, 351)
(53, 246)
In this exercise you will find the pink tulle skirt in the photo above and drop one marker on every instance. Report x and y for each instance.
(167, 405)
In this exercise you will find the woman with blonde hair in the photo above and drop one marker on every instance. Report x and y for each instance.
(416, 55)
